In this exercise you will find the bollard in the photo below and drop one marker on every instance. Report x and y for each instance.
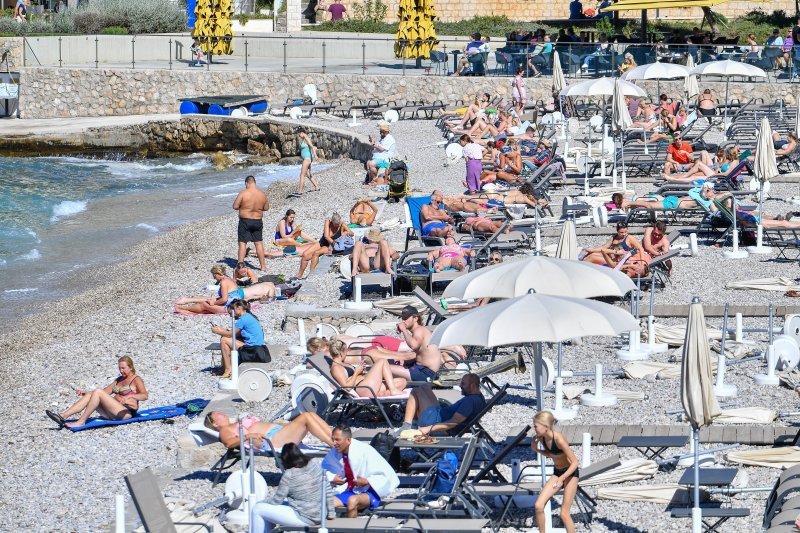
(599, 398)
(363, 61)
(170, 54)
(96, 53)
(284, 56)
(301, 329)
(561, 412)
(586, 450)
(133, 52)
(59, 52)
(245, 55)
(693, 249)
(119, 513)
(323, 57)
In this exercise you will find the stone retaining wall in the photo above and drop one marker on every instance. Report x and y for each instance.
(14, 46)
(54, 92)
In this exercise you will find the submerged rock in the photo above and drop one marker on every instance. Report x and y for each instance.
(221, 161)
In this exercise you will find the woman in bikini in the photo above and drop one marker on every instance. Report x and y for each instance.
(477, 109)
(510, 166)
(707, 104)
(334, 228)
(244, 275)
(118, 401)
(264, 291)
(287, 234)
(209, 305)
(308, 152)
(363, 213)
(616, 247)
(278, 433)
(366, 380)
(566, 475)
(451, 255)
(498, 200)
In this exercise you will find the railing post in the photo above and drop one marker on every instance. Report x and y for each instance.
(323, 57)
(403, 51)
(446, 60)
(133, 52)
(59, 52)
(569, 57)
(96, 52)
(245, 55)
(284, 56)
(170, 54)
(363, 58)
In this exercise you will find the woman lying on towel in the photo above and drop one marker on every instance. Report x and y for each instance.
(209, 305)
(118, 401)
(378, 377)
(524, 195)
(279, 433)
(654, 201)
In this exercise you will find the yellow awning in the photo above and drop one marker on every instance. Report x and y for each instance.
(638, 5)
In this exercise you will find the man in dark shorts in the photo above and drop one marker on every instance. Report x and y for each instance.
(423, 407)
(251, 204)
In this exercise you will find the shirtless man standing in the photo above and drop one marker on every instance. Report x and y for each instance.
(251, 204)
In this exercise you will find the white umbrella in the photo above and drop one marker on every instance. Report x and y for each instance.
(603, 87)
(568, 242)
(690, 86)
(656, 71)
(544, 275)
(765, 169)
(620, 121)
(558, 74)
(697, 390)
(728, 69)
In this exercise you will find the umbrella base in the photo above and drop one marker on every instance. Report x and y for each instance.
(229, 384)
(759, 249)
(565, 413)
(767, 380)
(598, 400)
(637, 354)
(735, 254)
(237, 518)
(358, 306)
(725, 390)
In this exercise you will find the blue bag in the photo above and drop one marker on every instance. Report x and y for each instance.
(446, 470)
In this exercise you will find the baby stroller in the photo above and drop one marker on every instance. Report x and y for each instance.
(398, 180)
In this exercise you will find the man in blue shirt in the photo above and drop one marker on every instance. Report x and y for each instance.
(423, 407)
(249, 338)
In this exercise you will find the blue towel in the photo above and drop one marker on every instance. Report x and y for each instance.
(156, 413)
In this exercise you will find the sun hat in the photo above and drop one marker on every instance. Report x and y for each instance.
(374, 235)
(383, 126)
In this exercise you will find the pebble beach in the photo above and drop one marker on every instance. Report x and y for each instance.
(61, 481)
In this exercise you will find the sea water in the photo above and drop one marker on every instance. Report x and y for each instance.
(62, 214)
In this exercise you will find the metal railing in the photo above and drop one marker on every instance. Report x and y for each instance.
(340, 53)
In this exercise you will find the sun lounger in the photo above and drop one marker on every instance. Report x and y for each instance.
(785, 490)
(146, 415)
(413, 209)
(784, 240)
(437, 313)
(652, 446)
(411, 524)
(713, 517)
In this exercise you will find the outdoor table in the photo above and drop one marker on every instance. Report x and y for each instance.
(709, 477)
(427, 452)
(653, 447)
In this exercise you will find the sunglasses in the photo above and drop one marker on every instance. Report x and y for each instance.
(494, 260)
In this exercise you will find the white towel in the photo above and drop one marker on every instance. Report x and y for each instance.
(366, 462)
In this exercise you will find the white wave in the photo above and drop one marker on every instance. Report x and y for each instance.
(184, 167)
(224, 195)
(25, 289)
(33, 234)
(148, 227)
(238, 184)
(67, 208)
(33, 255)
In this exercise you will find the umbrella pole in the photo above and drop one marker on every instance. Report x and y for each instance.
(622, 147)
(697, 513)
(537, 365)
(722, 389)
(725, 119)
(614, 168)
(736, 253)
(759, 248)
(538, 235)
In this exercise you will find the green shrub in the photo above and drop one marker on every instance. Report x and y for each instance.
(496, 26)
(142, 16)
(369, 11)
(355, 26)
(114, 30)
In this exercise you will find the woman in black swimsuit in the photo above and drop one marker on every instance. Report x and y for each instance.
(334, 228)
(565, 476)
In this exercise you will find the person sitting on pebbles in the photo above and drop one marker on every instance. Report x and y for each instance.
(363, 213)
(209, 305)
(117, 401)
(451, 255)
(289, 234)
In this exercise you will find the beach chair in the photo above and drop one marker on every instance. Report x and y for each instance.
(413, 211)
(437, 313)
(409, 524)
(345, 398)
(785, 490)
(713, 517)
(151, 508)
(785, 240)
(659, 270)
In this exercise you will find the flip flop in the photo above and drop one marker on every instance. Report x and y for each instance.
(792, 294)
(57, 418)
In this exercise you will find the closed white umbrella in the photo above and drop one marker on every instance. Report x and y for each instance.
(728, 69)
(543, 275)
(690, 86)
(765, 168)
(797, 119)
(620, 121)
(697, 391)
(603, 87)
(568, 242)
(558, 74)
(656, 71)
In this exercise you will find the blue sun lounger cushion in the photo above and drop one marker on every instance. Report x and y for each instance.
(144, 415)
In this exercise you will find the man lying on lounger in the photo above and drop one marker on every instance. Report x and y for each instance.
(431, 418)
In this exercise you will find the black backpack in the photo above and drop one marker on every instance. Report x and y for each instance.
(398, 180)
(384, 444)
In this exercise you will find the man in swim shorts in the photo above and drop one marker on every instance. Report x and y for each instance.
(435, 221)
(251, 204)
(423, 407)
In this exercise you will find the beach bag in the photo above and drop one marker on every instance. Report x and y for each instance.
(446, 469)
(384, 444)
(344, 244)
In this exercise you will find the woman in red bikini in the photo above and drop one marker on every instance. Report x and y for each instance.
(118, 401)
